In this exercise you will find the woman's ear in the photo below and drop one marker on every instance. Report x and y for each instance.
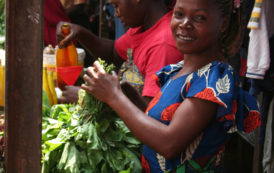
(225, 24)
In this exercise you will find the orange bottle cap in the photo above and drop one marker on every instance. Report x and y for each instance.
(65, 29)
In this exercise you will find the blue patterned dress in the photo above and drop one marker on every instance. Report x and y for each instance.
(237, 110)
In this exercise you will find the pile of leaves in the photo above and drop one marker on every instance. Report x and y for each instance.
(87, 138)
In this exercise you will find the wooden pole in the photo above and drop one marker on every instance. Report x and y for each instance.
(23, 105)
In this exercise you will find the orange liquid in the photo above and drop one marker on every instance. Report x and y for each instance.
(65, 57)
(2, 85)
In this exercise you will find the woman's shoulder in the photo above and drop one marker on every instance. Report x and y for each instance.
(171, 68)
(213, 82)
(217, 68)
(165, 73)
(219, 82)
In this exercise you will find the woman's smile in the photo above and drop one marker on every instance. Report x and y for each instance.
(185, 38)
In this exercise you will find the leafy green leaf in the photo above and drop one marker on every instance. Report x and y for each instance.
(72, 165)
(114, 135)
(95, 157)
(125, 171)
(103, 126)
(130, 138)
(64, 157)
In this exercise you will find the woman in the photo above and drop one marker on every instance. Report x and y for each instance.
(200, 104)
(148, 42)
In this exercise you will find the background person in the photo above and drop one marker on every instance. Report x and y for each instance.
(148, 43)
(53, 14)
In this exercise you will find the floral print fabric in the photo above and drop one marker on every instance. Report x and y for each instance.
(217, 82)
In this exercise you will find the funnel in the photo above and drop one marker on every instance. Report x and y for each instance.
(69, 74)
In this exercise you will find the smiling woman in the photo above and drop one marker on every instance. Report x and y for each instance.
(190, 26)
(200, 104)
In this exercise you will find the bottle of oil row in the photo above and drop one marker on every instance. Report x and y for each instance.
(65, 57)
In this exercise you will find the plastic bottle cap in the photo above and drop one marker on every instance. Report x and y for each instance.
(65, 29)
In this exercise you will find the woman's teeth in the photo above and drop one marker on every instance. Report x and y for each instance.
(185, 38)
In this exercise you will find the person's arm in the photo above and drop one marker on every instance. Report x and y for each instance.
(190, 119)
(69, 94)
(98, 47)
(134, 96)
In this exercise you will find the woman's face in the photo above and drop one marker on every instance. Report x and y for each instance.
(129, 11)
(196, 25)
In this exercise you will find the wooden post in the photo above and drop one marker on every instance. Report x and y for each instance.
(23, 105)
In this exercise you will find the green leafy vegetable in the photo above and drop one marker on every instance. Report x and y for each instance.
(87, 137)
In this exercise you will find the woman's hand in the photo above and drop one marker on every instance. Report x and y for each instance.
(69, 94)
(101, 85)
(63, 40)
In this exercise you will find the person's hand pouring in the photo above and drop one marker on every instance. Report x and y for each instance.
(62, 39)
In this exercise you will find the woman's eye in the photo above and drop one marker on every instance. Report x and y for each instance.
(178, 14)
(200, 18)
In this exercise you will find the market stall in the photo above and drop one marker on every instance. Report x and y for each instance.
(23, 104)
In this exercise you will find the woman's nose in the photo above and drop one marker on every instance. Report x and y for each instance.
(186, 23)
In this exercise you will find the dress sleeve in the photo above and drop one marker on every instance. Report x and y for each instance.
(163, 75)
(219, 83)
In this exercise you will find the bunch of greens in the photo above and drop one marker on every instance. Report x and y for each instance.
(87, 138)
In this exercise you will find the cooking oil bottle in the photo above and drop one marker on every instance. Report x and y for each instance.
(65, 57)
(2, 84)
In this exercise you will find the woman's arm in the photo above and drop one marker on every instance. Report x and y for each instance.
(98, 47)
(190, 119)
(134, 96)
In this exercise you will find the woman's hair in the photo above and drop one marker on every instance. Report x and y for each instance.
(170, 4)
(232, 37)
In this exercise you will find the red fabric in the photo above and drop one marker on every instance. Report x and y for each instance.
(53, 14)
(249, 122)
(243, 67)
(152, 50)
(144, 164)
(156, 79)
(209, 94)
(230, 116)
(154, 101)
(168, 112)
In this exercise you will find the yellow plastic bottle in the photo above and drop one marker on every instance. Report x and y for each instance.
(52, 86)
(66, 56)
(49, 61)
(46, 86)
(2, 84)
